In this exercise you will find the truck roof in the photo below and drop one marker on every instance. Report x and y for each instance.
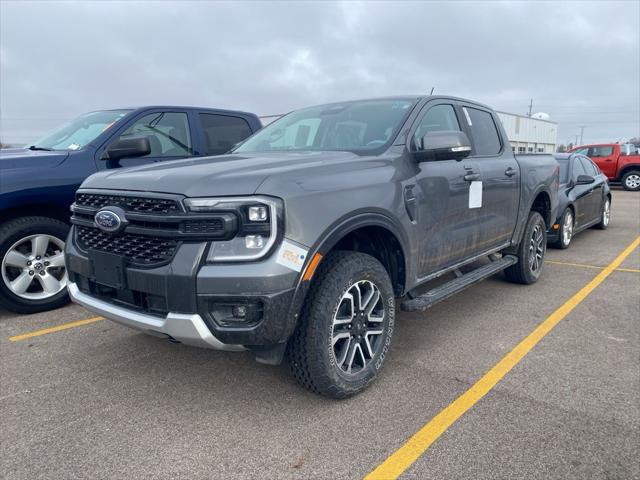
(183, 107)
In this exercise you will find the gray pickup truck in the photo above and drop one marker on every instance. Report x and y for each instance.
(299, 242)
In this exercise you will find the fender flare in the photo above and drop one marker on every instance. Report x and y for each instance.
(517, 237)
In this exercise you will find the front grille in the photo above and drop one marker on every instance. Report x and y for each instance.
(203, 226)
(130, 204)
(138, 249)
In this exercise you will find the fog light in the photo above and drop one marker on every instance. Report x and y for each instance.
(254, 241)
(239, 311)
(258, 214)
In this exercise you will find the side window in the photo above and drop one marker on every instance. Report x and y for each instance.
(222, 132)
(588, 166)
(578, 168)
(582, 151)
(168, 134)
(438, 118)
(484, 132)
(601, 151)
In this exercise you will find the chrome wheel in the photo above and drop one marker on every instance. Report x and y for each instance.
(632, 181)
(33, 267)
(606, 212)
(567, 228)
(536, 249)
(357, 329)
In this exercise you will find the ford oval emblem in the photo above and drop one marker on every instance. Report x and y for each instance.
(108, 221)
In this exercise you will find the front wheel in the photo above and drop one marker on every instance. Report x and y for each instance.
(631, 181)
(530, 253)
(346, 326)
(33, 277)
(605, 214)
(565, 234)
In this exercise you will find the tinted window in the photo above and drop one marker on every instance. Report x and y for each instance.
(437, 118)
(352, 126)
(600, 151)
(582, 151)
(483, 129)
(168, 134)
(578, 169)
(223, 132)
(589, 167)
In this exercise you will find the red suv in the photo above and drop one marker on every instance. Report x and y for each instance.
(619, 162)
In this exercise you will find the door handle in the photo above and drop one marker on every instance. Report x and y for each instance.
(472, 177)
(510, 172)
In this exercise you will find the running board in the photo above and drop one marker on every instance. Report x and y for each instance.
(462, 281)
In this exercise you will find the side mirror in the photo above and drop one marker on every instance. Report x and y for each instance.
(128, 147)
(584, 179)
(443, 145)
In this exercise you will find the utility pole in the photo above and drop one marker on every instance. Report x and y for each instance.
(577, 141)
(530, 107)
(432, 89)
(581, 133)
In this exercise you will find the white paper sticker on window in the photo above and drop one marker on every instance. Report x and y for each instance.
(291, 256)
(466, 114)
(475, 195)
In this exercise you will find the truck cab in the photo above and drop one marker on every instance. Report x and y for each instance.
(619, 162)
(38, 183)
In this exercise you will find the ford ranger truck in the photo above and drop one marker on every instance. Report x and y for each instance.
(299, 244)
(38, 183)
(619, 162)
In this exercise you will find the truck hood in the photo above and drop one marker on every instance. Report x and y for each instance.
(13, 158)
(226, 175)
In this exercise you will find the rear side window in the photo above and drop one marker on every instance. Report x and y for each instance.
(484, 132)
(438, 118)
(600, 151)
(222, 132)
(578, 168)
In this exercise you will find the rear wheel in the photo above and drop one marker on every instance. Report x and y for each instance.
(33, 277)
(605, 214)
(565, 234)
(631, 181)
(346, 326)
(530, 253)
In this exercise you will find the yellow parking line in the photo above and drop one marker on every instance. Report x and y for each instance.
(596, 267)
(413, 448)
(57, 328)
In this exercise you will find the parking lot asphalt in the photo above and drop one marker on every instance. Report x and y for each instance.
(98, 400)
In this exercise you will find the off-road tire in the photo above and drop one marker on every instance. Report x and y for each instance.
(11, 232)
(522, 272)
(625, 179)
(310, 351)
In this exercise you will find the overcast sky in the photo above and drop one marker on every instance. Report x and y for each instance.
(580, 62)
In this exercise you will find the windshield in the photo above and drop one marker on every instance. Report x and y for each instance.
(352, 126)
(81, 131)
(564, 169)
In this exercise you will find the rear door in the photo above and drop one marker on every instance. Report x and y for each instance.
(604, 156)
(447, 223)
(493, 159)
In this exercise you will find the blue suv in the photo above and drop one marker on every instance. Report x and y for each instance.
(38, 183)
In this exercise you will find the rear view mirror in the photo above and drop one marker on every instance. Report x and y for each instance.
(443, 145)
(129, 147)
(584, 179)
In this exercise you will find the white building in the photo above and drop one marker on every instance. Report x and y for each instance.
(535, 134)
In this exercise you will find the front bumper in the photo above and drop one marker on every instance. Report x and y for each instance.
(178, 299)
(185, 328)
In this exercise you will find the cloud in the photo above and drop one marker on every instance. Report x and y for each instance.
(60, 59)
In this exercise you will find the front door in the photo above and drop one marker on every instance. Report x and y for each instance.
(583, 194)
(492, 158)
(444, 217)
(604, 157)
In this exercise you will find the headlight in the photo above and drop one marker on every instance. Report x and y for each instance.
(257, 226)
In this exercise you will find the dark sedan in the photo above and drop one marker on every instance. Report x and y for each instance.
(584, 199)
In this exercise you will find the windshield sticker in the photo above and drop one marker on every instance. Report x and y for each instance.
(291, 256)
(73, 146)
(466, 114)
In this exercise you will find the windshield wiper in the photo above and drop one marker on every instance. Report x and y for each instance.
(45, 149)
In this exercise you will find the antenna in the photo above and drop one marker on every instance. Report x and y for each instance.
(432, 89)
(530, 107)
(581, 133)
